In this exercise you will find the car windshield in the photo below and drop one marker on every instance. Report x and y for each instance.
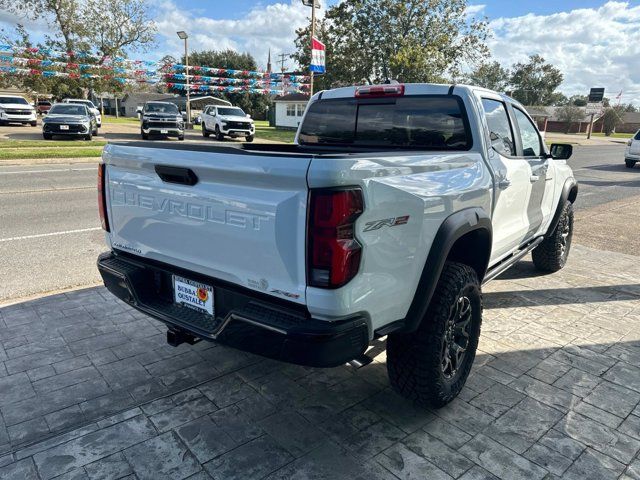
(15, 100)
(68, 109)
(427, 122)
(161, 108)
(88, 103)
(231, 112)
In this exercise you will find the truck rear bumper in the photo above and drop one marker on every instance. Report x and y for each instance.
(244, 319)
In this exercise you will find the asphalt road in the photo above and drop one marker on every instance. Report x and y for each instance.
(603, 176)
(49, 228)
(50, 231)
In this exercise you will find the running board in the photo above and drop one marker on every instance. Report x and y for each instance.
(510, 261)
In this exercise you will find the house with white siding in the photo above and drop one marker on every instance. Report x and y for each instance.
(290, 109)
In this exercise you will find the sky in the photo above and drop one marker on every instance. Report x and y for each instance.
(594, 42)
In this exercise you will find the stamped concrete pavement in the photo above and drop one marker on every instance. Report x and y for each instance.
(90, 390)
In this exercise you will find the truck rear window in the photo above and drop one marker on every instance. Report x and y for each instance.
(425, 122)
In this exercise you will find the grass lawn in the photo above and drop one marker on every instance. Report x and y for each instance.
(614, 135)
(16, 144)
(112, 119)
(265, 132)
(51, 152)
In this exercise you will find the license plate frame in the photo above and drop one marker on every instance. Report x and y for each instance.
(195, 295)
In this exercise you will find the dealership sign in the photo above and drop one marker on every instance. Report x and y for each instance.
(318, 50)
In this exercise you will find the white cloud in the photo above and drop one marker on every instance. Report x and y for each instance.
(594, 47)
(272, 26)
(475, 10)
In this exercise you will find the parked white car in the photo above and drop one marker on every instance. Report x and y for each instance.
(16, 109)
(92, 108)
(224, 121)
(632, 153)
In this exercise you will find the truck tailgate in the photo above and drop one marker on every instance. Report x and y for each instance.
(243, 221)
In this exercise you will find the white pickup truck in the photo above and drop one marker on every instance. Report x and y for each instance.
(394, 206)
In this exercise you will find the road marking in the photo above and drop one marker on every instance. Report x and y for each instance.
(52, 234)
(47, 190)
(48, 171)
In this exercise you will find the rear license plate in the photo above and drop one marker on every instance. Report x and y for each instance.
(64, 127)
(195, 295)
(164, 132)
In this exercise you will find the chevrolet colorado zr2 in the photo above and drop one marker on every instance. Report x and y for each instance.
(393, 207)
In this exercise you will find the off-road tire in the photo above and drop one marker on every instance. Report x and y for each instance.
(551, 255)
(630, 163)
(415, 360)
(219, 135)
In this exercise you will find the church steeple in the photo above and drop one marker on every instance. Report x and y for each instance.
(269, 62)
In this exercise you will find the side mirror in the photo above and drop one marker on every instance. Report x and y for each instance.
(248, 116)
(561, 151)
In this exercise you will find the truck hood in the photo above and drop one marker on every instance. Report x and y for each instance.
(172, 116)
(60, 118)
(235, 118)
(16, 106)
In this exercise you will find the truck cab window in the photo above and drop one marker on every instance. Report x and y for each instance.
(531, 144)
(500, 131)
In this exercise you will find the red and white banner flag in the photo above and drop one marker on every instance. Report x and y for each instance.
(318, 50)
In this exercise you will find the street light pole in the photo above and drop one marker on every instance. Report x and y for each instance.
(183, 35)
(313, 4)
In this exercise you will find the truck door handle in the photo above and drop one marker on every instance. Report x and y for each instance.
(534, 178)
(177, 175)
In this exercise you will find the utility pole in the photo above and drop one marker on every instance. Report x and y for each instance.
(282, 60)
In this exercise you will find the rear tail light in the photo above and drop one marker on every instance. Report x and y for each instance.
(102, 197)
(376, 91)
(333, 253)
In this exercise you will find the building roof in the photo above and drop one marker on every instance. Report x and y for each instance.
(140, 98)
(631, 117)
(293, 97)
(552, 113)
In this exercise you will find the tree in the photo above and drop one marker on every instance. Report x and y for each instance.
(112, 27)
(490, 75)
(405, 40)
(578, 100)
(613, 116)
(570, 114)
(535, 82)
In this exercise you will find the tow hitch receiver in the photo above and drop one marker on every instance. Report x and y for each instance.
(175, 338)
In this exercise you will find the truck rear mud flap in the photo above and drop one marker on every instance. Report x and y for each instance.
(243, 319)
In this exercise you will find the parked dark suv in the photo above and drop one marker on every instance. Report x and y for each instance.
(161, 118)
